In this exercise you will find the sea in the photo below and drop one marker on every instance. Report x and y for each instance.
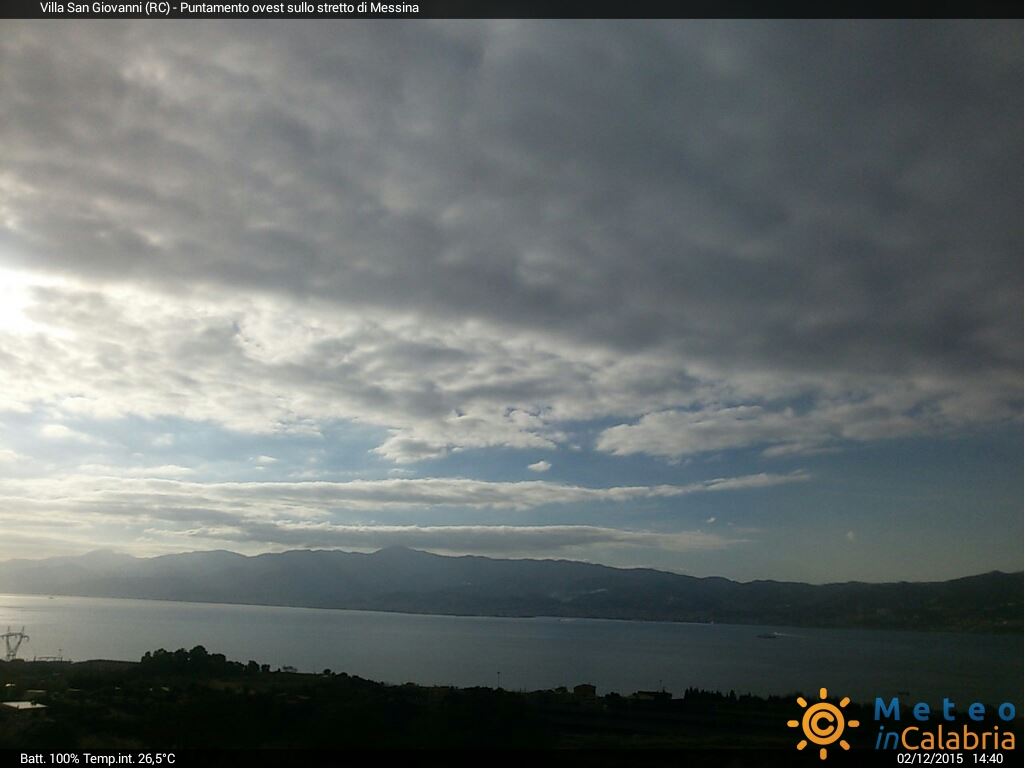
(534, 653)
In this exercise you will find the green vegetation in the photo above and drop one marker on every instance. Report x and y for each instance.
(194, 699)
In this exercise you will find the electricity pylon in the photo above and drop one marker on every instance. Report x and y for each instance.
(13, 640)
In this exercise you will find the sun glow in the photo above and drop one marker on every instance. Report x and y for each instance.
(15, 299)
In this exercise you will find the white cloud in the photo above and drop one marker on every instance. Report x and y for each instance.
(117, 494)
(541, 466)
(891, 412)
(60, 432)
(7, 456)
(756, 481)
(301, 514)
(265, 365)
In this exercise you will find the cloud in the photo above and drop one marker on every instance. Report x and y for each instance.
(830, 423)
(58, 432)
(121, 494)
(541, 466)
(144, 509)
(506, 540)
(757, 481)
(8, 456)
(249, 365)
(637, 223)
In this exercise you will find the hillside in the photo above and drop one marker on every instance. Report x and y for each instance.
(399, 579)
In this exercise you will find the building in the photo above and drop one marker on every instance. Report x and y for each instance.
(24, 706)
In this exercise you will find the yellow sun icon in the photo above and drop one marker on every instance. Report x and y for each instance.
(823, 723)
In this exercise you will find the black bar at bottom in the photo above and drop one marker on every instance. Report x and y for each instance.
(734, 757)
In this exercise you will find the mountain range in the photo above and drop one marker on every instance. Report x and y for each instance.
(405, 580)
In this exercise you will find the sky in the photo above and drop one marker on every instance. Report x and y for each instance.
(725, 298)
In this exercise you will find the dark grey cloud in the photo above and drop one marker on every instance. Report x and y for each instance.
(768, 210)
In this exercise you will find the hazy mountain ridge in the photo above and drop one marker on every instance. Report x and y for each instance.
(399, 579)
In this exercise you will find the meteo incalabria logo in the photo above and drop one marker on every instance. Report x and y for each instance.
(979, 732)
(823, 723)
(930, 731)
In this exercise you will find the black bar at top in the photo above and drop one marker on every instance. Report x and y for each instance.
(525, 9)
